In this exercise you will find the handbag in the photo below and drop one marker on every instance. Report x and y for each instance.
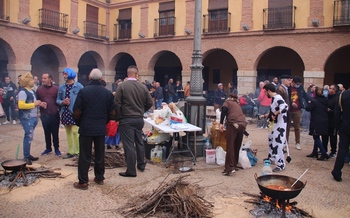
(111, 128)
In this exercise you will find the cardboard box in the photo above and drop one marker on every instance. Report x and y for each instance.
(210, 156)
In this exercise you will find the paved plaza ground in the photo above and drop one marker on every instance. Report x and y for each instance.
(321, 197)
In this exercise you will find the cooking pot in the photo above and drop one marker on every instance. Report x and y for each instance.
(279, 180)
(14, 165)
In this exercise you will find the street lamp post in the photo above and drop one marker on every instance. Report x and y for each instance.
(195, 109)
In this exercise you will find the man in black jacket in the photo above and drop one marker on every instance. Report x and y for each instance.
(332, 132)
(342, 122)
(9, 98)
(158, 96)
(92, 110)
(132, 100)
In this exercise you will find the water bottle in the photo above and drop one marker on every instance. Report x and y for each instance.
(266, 170)
(207, 145)
(164, 153)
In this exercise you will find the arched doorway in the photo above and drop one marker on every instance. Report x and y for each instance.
(167, 65)
(219, 67)
(278, 61)
(88, 61)
(337, 68)
(7, 56)
(124, 61)
(45, 60)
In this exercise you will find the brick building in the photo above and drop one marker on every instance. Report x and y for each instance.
(243, 41)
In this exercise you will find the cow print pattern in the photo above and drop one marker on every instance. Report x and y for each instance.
(277, 136)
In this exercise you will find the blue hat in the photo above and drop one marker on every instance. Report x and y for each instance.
(70, 72)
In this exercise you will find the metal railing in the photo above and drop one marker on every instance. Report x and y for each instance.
(279, 18)
(164, 26)
(122, 30)
(217, 22)
(341, 15)
(53, 20)
(94, 30)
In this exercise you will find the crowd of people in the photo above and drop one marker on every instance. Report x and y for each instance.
(85, 111)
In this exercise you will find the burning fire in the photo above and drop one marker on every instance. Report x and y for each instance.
(288, 206)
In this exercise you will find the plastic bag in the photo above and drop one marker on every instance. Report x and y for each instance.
(247, 144)
(252, 159)
(243, 160)
(220, 155)
(111, 128)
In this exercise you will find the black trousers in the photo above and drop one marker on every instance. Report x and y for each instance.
(130, 130)
(344, 142)
(84, 161)
(333, 138)
(51, 125)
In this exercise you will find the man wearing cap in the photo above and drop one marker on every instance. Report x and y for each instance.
(282, 90)
(219, 96)
(298, 99)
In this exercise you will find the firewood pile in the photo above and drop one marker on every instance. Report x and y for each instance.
(112, 160)
(176, 197)
(27, 176)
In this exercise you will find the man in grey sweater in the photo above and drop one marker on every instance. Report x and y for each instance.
(131, 101)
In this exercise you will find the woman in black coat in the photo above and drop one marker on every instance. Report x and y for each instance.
(319, 122)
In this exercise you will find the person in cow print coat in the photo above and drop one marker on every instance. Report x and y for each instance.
(277, 117)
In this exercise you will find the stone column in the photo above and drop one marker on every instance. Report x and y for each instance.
(14, 70)
(246, 81)
(314, 77)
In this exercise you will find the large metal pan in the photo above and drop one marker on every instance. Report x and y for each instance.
(279, 180)
(14, 165)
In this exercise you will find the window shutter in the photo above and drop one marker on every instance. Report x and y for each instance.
(53, 5)
(124, 14)
(279, 3)
(167, 6)
(92, 13)
(217, 5)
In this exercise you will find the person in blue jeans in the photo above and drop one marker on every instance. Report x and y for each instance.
(28, 113)
(158, 96)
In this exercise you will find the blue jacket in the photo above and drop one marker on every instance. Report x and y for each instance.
(218, 94)
(72, 96)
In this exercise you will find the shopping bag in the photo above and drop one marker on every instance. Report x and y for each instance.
(220, 154)
(243, 160)
(111, 128)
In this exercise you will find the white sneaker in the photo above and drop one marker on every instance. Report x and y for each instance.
(7, 122)
(298, 146)
(14, 122)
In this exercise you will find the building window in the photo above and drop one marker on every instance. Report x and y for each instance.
(165, 25)
(218, 18)
(124, 24)
(341, 13)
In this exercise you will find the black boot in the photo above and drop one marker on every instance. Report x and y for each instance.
(323, 157)
(312, 155)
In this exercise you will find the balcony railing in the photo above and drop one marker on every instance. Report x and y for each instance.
(279, 18)
(122, 31)
(217, 22)
(94, 30)
(53, 20)
(341, 13)
(164, 26)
